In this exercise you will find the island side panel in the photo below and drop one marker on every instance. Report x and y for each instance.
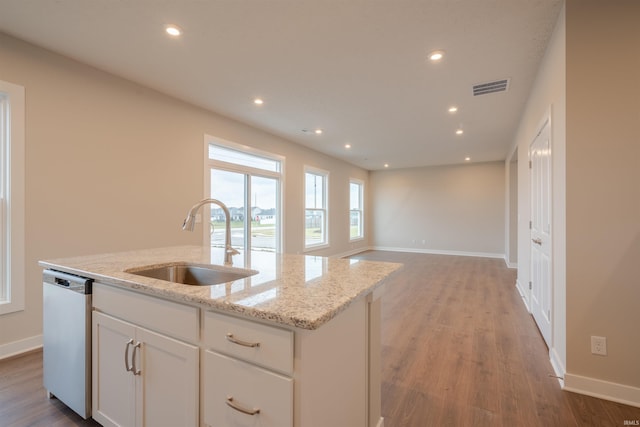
(374, 384)
(331, 370)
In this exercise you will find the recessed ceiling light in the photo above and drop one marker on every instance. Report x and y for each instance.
(466, 159)
(386, 165)
(459, 132)
(347, 146)
(258, 101)
(453, 109)
(318, 131)
(436, 55)
(173, 30)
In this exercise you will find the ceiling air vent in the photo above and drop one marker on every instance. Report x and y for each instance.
(491, 87)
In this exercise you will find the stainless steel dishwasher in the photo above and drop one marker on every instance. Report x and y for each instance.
(67, 339)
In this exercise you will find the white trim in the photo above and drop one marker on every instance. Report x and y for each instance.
(614, 392)
(22, 346)
(439, 252)
(523, 294)
(513, 265)
(558, 366)
(13, 217)
(350, 253)
(380, 422)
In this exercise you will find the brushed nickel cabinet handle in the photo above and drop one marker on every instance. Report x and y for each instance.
(239, 408)
(134, 369)
(126, 355)
(235, 340)
(537, 241)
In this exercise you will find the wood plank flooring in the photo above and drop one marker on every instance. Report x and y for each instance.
(24, 401)
(459, 349)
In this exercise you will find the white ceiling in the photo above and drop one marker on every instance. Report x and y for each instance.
(355, 68)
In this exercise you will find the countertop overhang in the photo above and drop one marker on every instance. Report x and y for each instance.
(296, 290)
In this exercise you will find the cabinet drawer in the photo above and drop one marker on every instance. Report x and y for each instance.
(229, 382)
(272, 346)
(167, 317)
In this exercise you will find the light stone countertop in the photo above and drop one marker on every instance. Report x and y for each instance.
(294, 290)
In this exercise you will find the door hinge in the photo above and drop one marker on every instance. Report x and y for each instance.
(530, 225)
(530, 285)
(530, 164)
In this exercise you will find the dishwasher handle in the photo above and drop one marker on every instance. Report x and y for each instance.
(69, 281)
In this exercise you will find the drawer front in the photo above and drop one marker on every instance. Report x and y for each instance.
(260, 344)
(232, 388)
(167, 317)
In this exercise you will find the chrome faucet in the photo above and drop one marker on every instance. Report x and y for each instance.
(190, 222)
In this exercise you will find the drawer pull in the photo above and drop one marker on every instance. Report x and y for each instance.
(126, 356)
(235, 340)
(239, 408)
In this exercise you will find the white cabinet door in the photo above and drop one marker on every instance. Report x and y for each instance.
(141, 378)
(113, 388)
(237, 394)
(168, 381)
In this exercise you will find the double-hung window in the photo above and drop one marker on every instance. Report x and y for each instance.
(249, 182)
(11, 198)
(356, 224)
(316, 208)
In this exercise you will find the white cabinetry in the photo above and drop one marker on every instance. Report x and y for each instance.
(293, 377)
(142, 377)
(238, 390)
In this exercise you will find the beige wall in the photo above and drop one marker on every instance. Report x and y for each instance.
(547, 100)
(603, 189)
(457, 209)
(592, 102)
(113, 166)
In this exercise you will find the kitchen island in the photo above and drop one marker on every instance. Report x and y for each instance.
(295, 343)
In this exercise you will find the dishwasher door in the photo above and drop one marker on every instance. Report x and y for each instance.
(67, 339)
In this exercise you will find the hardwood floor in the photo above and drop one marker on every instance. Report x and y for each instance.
(24, 401)
(459, 349)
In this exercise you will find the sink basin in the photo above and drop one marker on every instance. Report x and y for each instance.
(189, 274)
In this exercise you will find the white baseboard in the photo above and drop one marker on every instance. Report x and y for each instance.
(615, 392)
(513, 265)
(351, 252)
(22, 346)
(558, 366)
(522, 292)
(438, 252)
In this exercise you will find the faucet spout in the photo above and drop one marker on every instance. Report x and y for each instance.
(190, 221)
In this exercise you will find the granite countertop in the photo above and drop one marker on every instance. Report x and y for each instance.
(294, 290)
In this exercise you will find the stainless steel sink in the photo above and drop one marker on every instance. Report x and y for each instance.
(189, 274)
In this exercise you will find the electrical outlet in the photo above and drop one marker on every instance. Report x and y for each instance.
(599, 345)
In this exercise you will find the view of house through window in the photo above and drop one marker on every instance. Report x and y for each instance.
(356, 229)
(315, 208)
(248, 182)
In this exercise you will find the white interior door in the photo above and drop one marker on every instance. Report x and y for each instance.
(541, 266)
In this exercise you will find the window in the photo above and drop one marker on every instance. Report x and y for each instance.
(249, 182)
(315, 225)
(356, 228)
(11, 197)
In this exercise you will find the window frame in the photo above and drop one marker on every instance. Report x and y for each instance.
(361, 234)
(12, 155)
(246, 170)
(325, 175)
